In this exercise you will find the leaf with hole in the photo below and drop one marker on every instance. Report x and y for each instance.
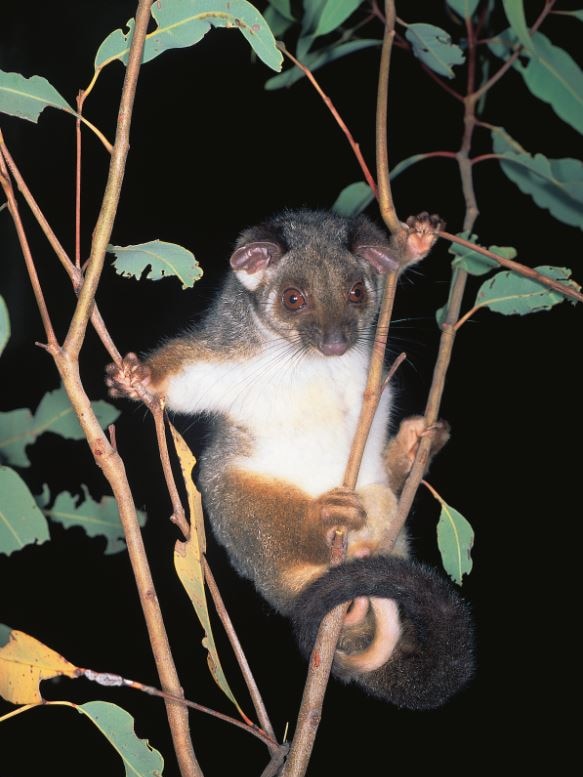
(21, 521)
(434, 48)
(19, 428)
(512, 294)
(96, 518)
(455, 539)
(182, 23)
(24, 663)
(156, 259)
(27, 98)
(554, 184)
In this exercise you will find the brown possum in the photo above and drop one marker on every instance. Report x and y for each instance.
(280, 364)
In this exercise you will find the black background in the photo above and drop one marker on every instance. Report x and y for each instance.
(212, 152)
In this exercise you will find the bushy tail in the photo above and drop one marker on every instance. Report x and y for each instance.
(417, 660)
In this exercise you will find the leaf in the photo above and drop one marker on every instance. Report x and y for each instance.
(554, 184)
(334, 13)
(434, 48)
(512, 294)
(4, 324)
(139, 758)
(97, 518)
(464, 8)
(278, 24)
(188, 564)
(475, 263)
(19, 428)
(514, 10)
(163, 259)
(576, 14)
(353, 199)
(283, 7)
(24, 663)
(318, 59)
(28, 97)
(182, 23)
(455, 539)
(312, 11)
(21, 521)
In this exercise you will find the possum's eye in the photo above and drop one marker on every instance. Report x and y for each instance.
(357, 293)
(293, 299)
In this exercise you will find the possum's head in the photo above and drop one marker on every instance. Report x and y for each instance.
(313, 277)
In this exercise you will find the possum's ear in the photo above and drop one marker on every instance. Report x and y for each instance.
(381, 257)
(250, 262)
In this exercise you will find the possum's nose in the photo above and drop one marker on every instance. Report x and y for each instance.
(334, 344)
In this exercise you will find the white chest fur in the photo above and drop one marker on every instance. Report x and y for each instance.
(301, 411)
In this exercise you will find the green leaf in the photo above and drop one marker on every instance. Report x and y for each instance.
(554, 184)
(464, 8)
(182, 23)
(455, 539)
(353, 199)
(312, 11)
(278, 24)
(512, 294)
(334, 13)
(317, 59)
(19, 428)
(21, 521)
(514, 10)
(4, 325)
(283, 7)
(28, 97)
(434, 48)
(475, 263)
(576, 14)
(97, 518)
(139, 758)
(163, 260)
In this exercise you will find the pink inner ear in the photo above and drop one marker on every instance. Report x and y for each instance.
(254, 257)
(380, 257)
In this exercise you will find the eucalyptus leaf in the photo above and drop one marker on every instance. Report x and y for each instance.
(278, 24)
(334, 13)
(475, 263)
(464, 8)
(96, 518)
(434, 48)
(139, 758)
(514, 10)
(312, 11)
(182, 23)
(455, 539)
(283, 7)
(19, 428)
(554, 184)
(21, 521)
(156, 259)
(512, 294)
(353, 199)
(317, 59)
(4, 324)
(27, 98)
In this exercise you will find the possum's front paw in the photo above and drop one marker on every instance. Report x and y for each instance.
(126, 380)
(402, 448)
(339, 508)
(418, 236)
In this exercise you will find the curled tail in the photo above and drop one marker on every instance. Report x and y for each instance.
(412, 645)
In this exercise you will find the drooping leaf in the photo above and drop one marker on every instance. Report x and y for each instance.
(21, 521)
(353, 199)
(4, 324)
(554, 184)
(334, 13)
(278, 24)
(514, 10)
(455, 539)
(182, 23)
(139, 758)
(28, 97)
(24, 662)
(163, 260)
(97, 518)
(475, 263)
(283, 7)
(464, 8)
(512, 294)
(19, 428)
(317, 59)
(434, 48)
(188, 564)
(312, 12)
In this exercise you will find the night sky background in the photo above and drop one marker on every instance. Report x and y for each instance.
(211, 153)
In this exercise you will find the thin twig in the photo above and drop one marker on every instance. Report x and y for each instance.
(78, 139)
(178, 515)
(339, 120)
(256, 698)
